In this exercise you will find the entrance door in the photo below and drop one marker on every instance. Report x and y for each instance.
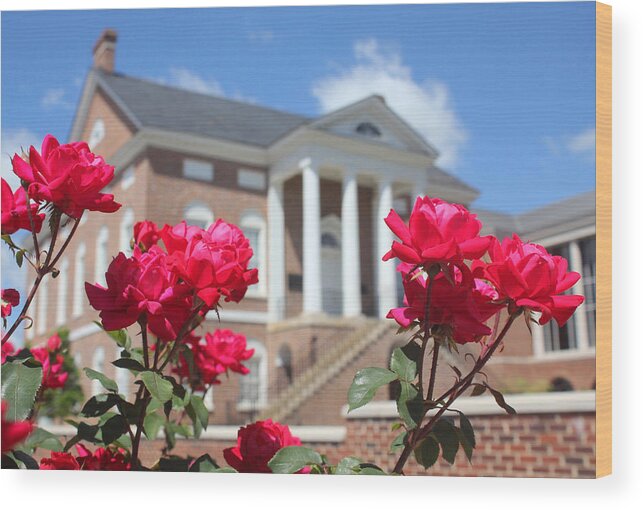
(331, 256)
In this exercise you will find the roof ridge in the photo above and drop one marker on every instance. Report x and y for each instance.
(149, 81)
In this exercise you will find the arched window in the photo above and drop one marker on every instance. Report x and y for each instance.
(63, 283)
(331, 261)
(126, 232)
(254, 228)
(79, 280)
(43, 305)
(98, 362)
(100, 262)
(122, 377)
(368, 129)
(97, 134)
(128, 178)
(253, 386)
(198, 214)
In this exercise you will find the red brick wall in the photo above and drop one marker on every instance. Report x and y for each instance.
(559, 445)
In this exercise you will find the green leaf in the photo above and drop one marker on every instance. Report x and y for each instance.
(41, 438)
(446, 434)
(204, 464)
(399, 441)
(28, 461)
(467, 430)
(409, 404)
(105, 381)
(158, 387)
(173, 464)
(8, 462)
(152, 424)
(100, 404)
(201, 411)
(478, 389)
(293, 458)
(500, 400)
(370, 469)
(20, 384)
(114, 428)
(427, 452)
(405, 368)
(366, 383)
(348, 466)
(129, 364)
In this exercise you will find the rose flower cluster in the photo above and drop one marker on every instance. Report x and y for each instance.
(213, 355)
(174, 273)
(517, 276)
(103, 459)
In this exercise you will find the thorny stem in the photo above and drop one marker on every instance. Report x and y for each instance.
(418, 434)
(426, 336)
(41, 272)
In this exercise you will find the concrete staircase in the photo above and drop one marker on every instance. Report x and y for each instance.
(328, 365)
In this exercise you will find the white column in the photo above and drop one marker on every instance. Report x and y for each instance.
(312, 238)
(386, 273)
(277, 252)
(580, 318)
(351, 281)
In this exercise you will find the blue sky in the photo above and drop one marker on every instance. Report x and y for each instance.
(505, 91)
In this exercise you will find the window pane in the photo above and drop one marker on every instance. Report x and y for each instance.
(588, 252)
(556, 338)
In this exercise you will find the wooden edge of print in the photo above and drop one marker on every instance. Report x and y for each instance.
(604, 239)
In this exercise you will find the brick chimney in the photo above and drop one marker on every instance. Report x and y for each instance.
(105, 51)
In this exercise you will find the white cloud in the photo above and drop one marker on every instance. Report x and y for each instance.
(583, 142)
(426, 106)
(55, 98)
(261, 36)
(189, 80)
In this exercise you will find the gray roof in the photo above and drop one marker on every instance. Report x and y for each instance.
(578, 210)
(163, 107)
(155, 105)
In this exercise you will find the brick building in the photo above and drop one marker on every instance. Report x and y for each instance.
(310, 194)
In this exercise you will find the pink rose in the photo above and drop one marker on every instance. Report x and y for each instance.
(213, 261)
(257, 443)
(438, 233)
(10, 298)
(52, 361)
(12, 432)
(142, 284)
(103, 459)
(15, 212)
(7, 350)
(459, 311)
(214, 355)
(528, 276)
(69, 176)
(60, 461)
(146, 234)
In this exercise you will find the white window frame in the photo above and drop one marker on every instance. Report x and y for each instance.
(198, 213)
(128, 178)
(126, 231)
(63, 284)
(254, 220)
(583, 349)
(251, 179)
(79, 279)
(262, 353)
(198, 170)
(101, 255)
(97, 133)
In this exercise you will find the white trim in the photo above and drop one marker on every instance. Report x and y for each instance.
(527, 403)
(101, 257)
(566, 237)
(126, 231)
(238, 316)
(63, 290)
(252, 219)
(545, 356)
(83, 331)
(198, 213)
(307, 433)
(80, 273)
